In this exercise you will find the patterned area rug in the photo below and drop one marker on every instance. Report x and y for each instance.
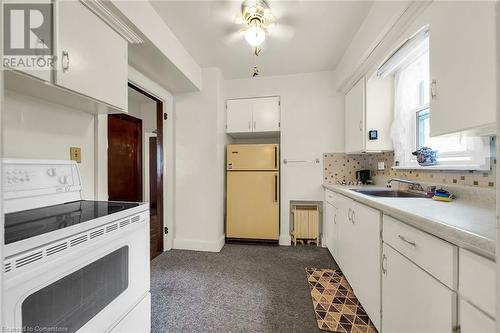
(337, 308)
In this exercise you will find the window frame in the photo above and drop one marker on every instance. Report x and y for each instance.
(468, 159)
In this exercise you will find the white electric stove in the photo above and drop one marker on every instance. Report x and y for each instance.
(71, 265)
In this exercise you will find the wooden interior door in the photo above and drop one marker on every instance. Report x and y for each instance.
(124, 158)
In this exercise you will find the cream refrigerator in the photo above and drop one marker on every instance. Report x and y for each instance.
(253, 193)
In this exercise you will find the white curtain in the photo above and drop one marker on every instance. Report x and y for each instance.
(407, 101)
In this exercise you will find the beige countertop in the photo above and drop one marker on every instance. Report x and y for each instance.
(469, 225)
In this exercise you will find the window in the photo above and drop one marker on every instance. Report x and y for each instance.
(412, 119)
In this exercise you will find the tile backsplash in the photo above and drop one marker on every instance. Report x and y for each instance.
(341, 167)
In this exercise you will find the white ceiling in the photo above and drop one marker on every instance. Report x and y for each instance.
(322, 32)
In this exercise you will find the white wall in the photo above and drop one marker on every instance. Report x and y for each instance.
(312, 122)
(34, 128)
(200, 168)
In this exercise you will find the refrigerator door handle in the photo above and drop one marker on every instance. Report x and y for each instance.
(276, 188)
(275, 157)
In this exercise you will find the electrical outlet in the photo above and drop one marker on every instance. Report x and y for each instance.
(381, 165)
(75, 154)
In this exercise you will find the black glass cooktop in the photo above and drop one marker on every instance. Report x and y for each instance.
(30, 223)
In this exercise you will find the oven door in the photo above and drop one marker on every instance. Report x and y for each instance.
(90, 286)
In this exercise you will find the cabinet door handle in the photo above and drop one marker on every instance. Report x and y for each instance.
(65, 61)
(412, 243)
(361, 125)
(353, 215)
(433, 89)
(335, 219)
(249, 125)
(384, 264)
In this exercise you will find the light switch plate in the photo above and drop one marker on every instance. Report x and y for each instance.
(381, 165)
(75, 154)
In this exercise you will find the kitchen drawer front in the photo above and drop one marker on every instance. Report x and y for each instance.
(331, 198)
(477, 280)
(474, 321)
(437, 257)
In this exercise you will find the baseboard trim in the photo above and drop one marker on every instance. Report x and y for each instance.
(199, 245)
(285, 240)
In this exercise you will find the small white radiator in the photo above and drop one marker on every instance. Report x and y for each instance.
(305, 223)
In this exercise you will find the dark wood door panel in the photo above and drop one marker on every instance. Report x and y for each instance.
(124, 158)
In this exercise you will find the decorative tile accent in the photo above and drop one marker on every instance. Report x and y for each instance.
(336, 307)
(342, 167)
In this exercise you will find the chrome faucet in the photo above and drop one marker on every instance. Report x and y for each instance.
(413, 185)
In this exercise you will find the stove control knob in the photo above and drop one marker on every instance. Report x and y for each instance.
(63, 179)
(51, 172)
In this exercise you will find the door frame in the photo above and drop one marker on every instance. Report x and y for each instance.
(139, 153)
(101, 155)
(146, 175)
(159, 160)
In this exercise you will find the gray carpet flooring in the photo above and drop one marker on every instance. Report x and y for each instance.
(244, 288)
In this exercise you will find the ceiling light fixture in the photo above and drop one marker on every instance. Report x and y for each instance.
(255, 35)
(258, 17)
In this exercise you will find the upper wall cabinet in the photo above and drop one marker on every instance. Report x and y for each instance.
(90, 70)
(368, 115)
(253, 116)
(462, 67)
(355, 118)
(92, 56)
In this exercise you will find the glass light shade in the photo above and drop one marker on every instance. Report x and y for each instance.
(255, 35)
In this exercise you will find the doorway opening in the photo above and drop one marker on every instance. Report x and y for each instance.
(135, 158)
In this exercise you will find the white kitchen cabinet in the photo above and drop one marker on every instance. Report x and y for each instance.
(341, 227)
(239, 116)
(477, 280)
(462, 54)
(412, 300)
(330, 224)
(253, 115)
(476, 287)
(369, 108)
(355, 118)
(44, 60)
(472, 320)
(436, 256)
(266, 114)
(92, 57)
(363, 246)
(353, 238)
(328, 217)
(379, 113)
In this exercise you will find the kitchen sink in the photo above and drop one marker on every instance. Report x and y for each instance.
(390, 193)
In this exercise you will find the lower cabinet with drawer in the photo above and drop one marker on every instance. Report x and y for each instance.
(418, 280)
(476, 288)
(413, 300)
(409, 280)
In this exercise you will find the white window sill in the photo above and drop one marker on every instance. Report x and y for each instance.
(444, 167)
